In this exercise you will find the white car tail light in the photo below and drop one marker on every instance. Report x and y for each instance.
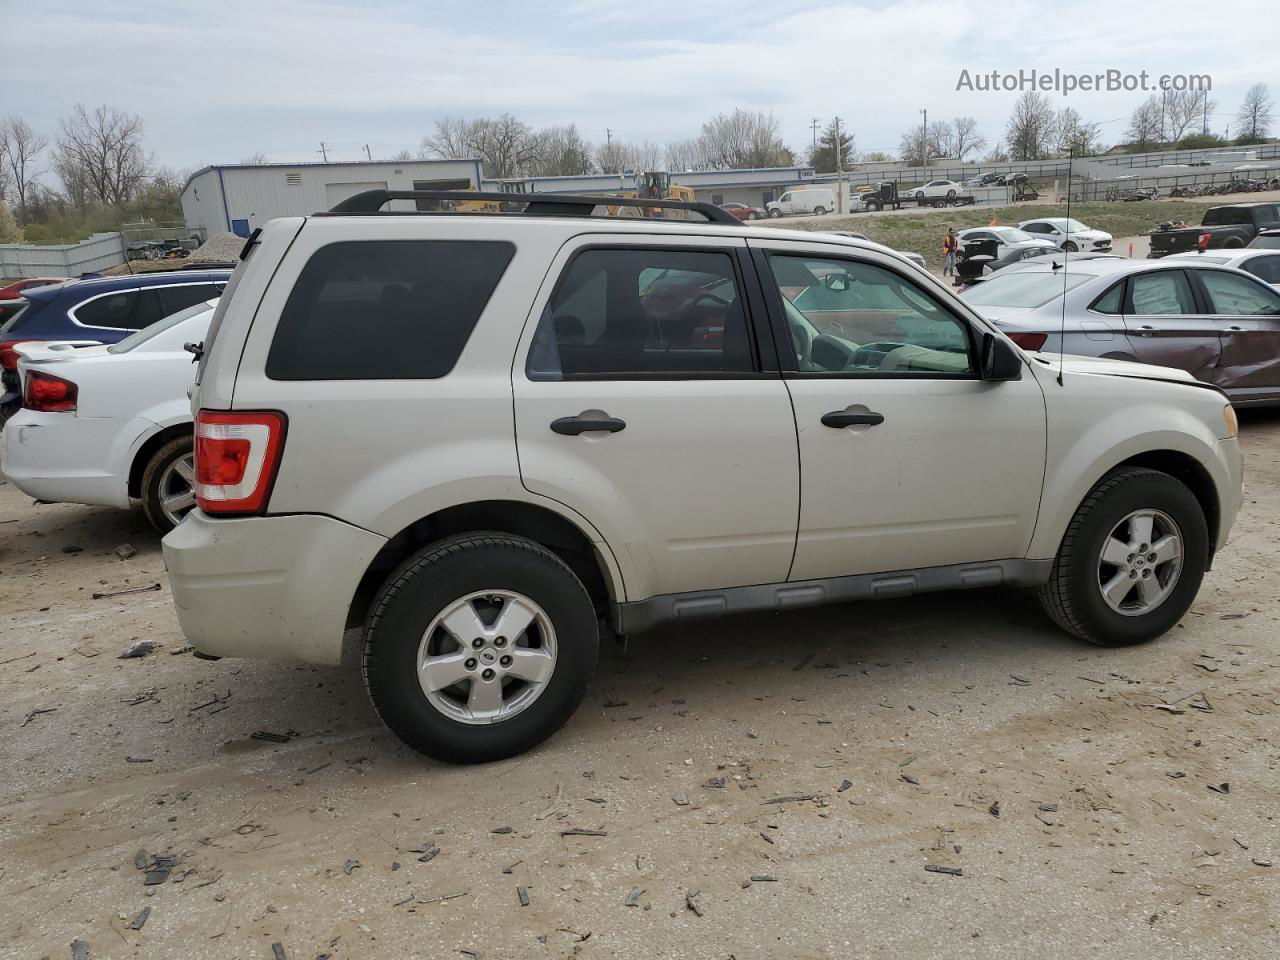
(237, 455)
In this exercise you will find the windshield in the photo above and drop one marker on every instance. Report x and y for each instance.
(1074, 226)
(1023, 289)
(137, 339)
(1012, 234)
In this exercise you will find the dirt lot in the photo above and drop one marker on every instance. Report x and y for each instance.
(957, 731)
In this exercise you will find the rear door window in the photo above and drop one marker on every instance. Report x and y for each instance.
(115, 310)
(1160, 294)
(1236, 296)
(385, 309)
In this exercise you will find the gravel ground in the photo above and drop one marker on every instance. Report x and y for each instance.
(957, 731)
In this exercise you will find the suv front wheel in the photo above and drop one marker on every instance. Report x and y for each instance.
(1131, 561)
(479, 647)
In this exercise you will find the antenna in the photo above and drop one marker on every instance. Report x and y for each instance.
(1066, 256)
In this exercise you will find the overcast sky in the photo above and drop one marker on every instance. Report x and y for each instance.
(218, 81)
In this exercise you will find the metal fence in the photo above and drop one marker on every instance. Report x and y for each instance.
(1203, 182)
(100, 251)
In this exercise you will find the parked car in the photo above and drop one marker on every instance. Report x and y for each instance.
(915, 258)
(1262, 263)
(1265, 240)
(815, 200)
(1067, 234)
(1232, 226)
(744, 211)
(14, 290)
(473, 491)
(1008, 240)
(985, 180)
(1219, 324)
(101, 310)
(110, 425)
(936, 188)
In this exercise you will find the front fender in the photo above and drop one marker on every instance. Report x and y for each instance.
(1090, 436)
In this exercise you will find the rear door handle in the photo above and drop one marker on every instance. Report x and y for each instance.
(839, 418)
(1235, 329)
(572, 426)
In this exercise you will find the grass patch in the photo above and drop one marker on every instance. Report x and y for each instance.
(922, 232)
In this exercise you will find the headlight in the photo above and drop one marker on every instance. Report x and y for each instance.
(1233, 423)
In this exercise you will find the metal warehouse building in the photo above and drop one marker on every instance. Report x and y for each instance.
(240, 197)
(755, 186)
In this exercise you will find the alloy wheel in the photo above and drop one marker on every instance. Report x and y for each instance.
(1140, 562)
(177, 488)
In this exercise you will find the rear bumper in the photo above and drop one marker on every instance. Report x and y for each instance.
(63, 458)
(275, 587)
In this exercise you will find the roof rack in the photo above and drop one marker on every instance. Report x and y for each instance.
(536, 204)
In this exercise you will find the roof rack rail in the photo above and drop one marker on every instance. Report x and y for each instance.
(536, 204)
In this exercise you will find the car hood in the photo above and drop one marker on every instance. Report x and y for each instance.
(1115, 368)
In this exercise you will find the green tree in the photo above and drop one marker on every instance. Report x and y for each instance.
(823, 157)
(10, 232)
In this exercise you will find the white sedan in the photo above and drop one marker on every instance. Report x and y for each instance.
(110, 425)
(1068, 234)
(937, 188)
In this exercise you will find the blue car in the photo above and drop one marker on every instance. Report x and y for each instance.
(102, 310)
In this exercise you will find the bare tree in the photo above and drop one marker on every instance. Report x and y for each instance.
(876, 156)
(744, 139)
(451, 140)
(401, 156)
(1185, 110)
(1029, 131)
(965, 137)
(914, 146)
(618, 156)
(1144, 123)
(997, 154)
(686, 155)
(256, 158)
(505, 146)
(1255, 113)
(102, 148)
(20, 148)
(1075, 136)
(560, 152)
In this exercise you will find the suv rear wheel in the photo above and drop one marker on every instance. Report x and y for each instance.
(1131, 561)
(479, 647)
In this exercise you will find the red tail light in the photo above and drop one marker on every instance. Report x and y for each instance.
(9, 356)
(237, 456)
(1203, 242)
(49, 394)
(1029, 341)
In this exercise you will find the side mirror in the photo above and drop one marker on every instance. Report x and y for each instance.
(1000, 359)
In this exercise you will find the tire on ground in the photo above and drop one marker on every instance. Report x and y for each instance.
(436, 576)
(152, 474)
(1072, 596)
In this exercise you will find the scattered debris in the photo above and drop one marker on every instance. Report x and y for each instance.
(446, 896)
(949, 871)
(796, 798)
(1168, 707)
(428, 854)
(1200, 702)
(79, 950)
(349, 866)
(523, 894)
(611, 703)
(140, 860)
(1259, 862)
(121, 593)
(763, 878)
(994, 809)
(502, 830)
(125, 551)
(1017, 680)
(555, 804)
(73, 549)
(844, 785)
(1220, 787)
(1233, 616)
(277, 951)
(512, 867)
(140, 919)
(139, 649)
(909, 778)
(767, 839)
(270, 737)
(139, 759)
(1175, 774)
(1207, 663)
(31, 715)
(804, 661)
(716, 783)
(159, 869)
(680, 799)
(580, 832)
(1048, 808)
(633, 898)
(691, 901)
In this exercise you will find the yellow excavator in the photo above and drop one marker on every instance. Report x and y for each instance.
(653, 185)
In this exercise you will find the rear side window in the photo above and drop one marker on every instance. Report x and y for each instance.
(177, 298)
(385, 309)
(1112, 301)
(116, 310)
(640, 313)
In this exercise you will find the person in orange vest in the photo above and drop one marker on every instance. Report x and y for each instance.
(949, 244)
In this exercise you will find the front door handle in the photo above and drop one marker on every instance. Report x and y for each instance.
(1235, 329)
(572, 426)
(839, 418)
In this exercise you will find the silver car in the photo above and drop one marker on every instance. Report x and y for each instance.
(1068, 234)
(1261, 262)
(1220, 324)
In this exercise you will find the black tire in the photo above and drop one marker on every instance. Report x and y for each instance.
(819, 211)
(152, 475)
(951, 194)
(423, 586)
(775, 212)
(1070, 247)
(1072, 597)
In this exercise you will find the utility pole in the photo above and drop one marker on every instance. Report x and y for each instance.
(814, 124)
(367, 153)
(839, 169)
(323, 152)
(924, 139)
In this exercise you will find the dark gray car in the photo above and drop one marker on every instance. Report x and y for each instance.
(1220, 324)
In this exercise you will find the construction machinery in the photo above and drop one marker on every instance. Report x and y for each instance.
(654, 185)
